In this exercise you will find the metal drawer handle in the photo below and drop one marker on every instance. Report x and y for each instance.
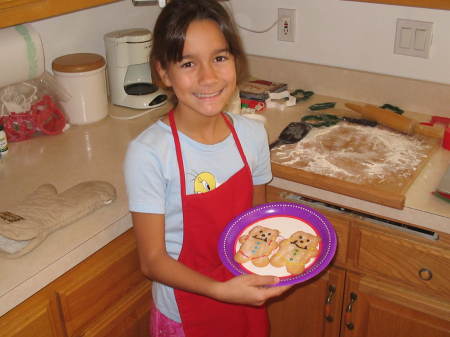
(425, 274)
(328, 301)
(348, 311)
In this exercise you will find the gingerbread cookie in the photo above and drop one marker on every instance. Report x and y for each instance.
(257, 245)
(296, 251)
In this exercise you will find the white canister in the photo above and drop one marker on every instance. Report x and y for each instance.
(83, 76)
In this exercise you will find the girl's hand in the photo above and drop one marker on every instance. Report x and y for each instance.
(249, 289)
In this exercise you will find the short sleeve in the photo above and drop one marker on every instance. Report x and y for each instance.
(144, 179)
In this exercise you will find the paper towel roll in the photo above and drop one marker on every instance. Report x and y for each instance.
(21, 55)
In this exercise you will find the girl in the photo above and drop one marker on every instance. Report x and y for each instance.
(193, 171)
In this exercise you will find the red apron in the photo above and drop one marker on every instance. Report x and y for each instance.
(204, 217)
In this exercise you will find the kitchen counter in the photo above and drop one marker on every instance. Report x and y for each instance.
(421, 207)
(96, 152)
(90, 152)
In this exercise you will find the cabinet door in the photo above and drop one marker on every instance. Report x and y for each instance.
(91, 288)
(312, 309)
(373, 308)
(129, 317)
(36, 317)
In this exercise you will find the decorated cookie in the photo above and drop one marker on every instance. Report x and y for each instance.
(257, 245)
(296, 251)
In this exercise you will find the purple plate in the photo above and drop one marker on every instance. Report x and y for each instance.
(287, 218)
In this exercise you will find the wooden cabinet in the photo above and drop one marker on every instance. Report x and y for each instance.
(13, 12)
(37, 317)
(105, 295)
(387, 282)
(417, 263)
(375, 308)
(312, 309)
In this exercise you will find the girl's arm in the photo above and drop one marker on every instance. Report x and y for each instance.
(157, 265)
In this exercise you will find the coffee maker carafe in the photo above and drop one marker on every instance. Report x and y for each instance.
(129, 77)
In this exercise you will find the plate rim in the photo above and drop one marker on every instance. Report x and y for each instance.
(322, 261)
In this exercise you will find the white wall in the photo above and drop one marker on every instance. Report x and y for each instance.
(83, 31)
(346, 34)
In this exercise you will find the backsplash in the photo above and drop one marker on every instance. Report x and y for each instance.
(413, 95)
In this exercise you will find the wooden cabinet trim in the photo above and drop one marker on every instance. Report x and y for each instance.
(21, 11)
(16, 3)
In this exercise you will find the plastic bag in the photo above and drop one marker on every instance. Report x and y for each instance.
(31, 107)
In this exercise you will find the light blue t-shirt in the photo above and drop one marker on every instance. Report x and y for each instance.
(153, 184)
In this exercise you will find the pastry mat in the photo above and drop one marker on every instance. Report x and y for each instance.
(357, 154)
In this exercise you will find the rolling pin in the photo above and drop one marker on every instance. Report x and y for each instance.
(395, 121)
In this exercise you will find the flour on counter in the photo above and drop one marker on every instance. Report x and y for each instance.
(355, 153)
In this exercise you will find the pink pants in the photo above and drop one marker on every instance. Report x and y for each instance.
(161, 326)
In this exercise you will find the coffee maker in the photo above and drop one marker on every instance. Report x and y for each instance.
(129, 77)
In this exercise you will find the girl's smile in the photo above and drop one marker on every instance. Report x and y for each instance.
(206, 95)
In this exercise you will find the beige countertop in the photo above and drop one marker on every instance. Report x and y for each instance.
(90, 152)
(96, 152)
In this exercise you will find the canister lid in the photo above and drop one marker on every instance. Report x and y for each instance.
(129, 35)
(77, 63)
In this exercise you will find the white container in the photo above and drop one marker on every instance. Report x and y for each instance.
(83, 76)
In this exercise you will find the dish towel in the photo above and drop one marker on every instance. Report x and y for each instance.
(27, 224)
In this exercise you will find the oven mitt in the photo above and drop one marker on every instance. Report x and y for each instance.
(27, 224)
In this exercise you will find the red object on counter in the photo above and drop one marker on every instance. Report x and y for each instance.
(253, 104)
(446, 140)
(19, 127)
(440, 120)
(446, 122)
(49, 119)
(43, 116)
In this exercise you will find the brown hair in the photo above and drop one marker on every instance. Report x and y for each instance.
(169, 33)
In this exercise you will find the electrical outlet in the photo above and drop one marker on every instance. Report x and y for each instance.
(286, 24)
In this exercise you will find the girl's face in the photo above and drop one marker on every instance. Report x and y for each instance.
(205, 78)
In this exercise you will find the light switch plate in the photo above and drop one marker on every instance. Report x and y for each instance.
(413, 38)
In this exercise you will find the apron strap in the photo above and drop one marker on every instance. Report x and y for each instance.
(176, 139)
(236, 139)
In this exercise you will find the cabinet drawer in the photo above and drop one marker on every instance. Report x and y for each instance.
(340, 223)
(95, 286)
(418, 263)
